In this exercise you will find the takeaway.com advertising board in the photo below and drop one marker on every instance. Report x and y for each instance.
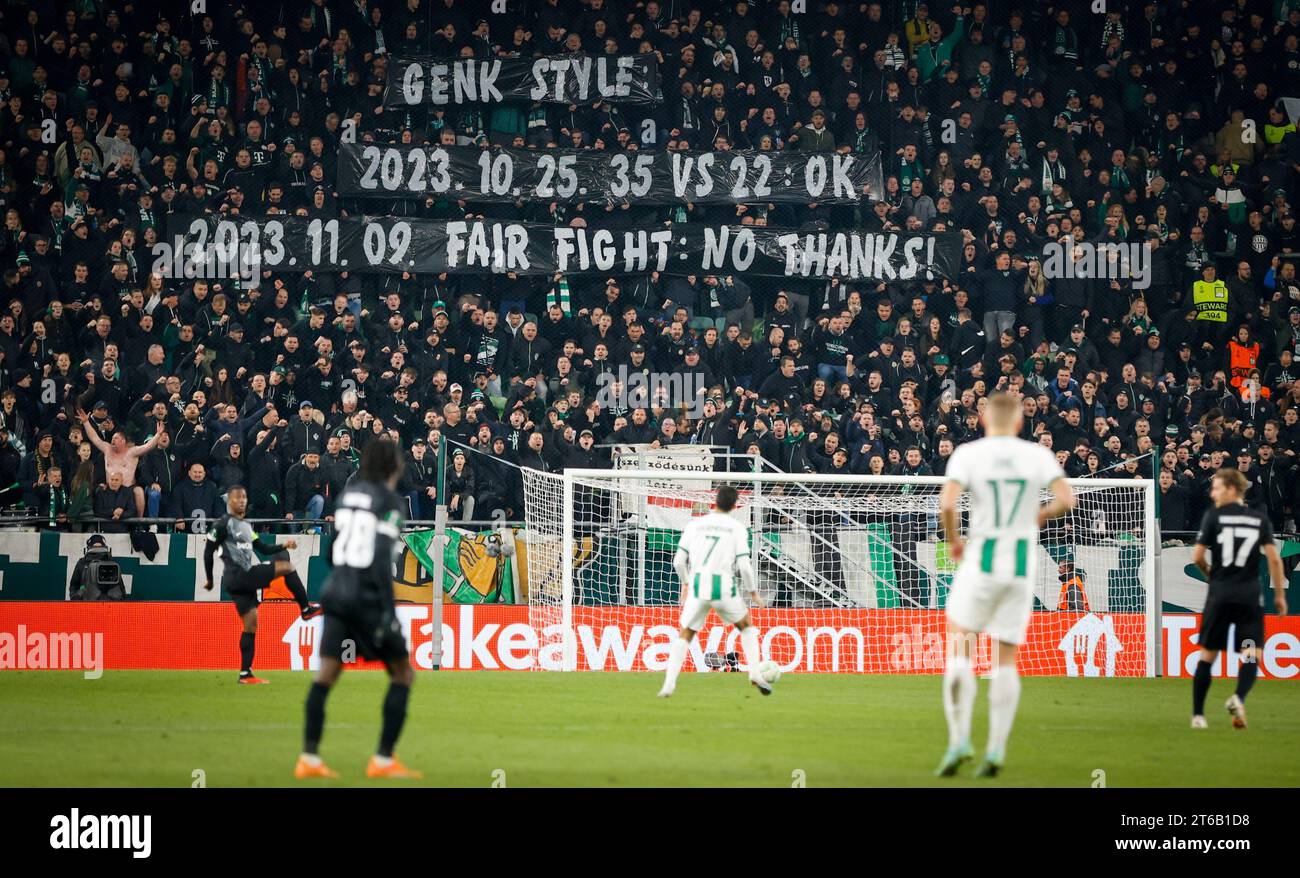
(195, 636)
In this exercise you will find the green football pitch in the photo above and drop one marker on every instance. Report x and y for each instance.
(154, 728)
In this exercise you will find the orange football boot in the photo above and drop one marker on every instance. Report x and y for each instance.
(305, 769)
(392, 769)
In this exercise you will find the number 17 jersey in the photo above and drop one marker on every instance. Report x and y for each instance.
(1234, 534)
(1006, 478)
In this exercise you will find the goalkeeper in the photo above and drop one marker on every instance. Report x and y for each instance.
(714, 549)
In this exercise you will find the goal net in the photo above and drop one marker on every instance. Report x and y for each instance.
(852, 569)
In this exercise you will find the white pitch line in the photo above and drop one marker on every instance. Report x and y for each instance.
(100, 730)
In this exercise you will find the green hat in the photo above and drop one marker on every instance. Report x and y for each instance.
(941, 359)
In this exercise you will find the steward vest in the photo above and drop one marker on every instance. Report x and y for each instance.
(1242, 359)
(1074, 599)
(1210, 301)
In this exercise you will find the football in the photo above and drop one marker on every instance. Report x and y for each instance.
(769, 671)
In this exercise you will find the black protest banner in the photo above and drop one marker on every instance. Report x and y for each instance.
(392, 244)
(572, 175)
(419, 81)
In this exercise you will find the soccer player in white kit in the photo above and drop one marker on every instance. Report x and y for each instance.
(992, 591)
(713, 550)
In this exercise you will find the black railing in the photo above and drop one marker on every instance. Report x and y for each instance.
(18, 521)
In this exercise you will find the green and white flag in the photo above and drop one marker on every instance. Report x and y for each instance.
(471, 573)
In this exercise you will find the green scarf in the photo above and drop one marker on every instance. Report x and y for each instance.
(1053, 172)
(58, 502)
(218, 94)
(1066, 43)
(907, 172)
(560, 295)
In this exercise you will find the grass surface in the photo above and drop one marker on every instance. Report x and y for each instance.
(155, 728)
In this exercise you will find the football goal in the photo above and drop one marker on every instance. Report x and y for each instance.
(853, 572)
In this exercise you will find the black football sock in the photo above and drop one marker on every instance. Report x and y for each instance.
(394, 717)
(1246, 678)
(247, 645)
(294, 581)
(315, 725)
(1200, 687)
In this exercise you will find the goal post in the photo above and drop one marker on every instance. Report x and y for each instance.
(1151, 577)
(853, 571)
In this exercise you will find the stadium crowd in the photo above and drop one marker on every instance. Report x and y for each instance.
(125, 393)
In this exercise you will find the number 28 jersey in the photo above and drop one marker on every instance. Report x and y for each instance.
(367, 540)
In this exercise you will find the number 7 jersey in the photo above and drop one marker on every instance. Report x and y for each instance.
(367, 539)
(1006, 478)
(712, 544)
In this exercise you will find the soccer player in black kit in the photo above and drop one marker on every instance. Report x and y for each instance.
(243, 577)
(1234, 535)
(359, 612)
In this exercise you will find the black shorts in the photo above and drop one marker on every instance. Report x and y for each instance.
(368, 629)
(245, 587)
(1219, 615)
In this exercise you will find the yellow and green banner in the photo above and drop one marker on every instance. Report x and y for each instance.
(478, 568)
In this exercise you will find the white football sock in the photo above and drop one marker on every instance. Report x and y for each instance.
(676, 655)
(958, 698)
(753, 655)
(1004, 696)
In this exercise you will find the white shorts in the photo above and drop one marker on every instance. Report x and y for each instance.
(696, 610)
(997, 607)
